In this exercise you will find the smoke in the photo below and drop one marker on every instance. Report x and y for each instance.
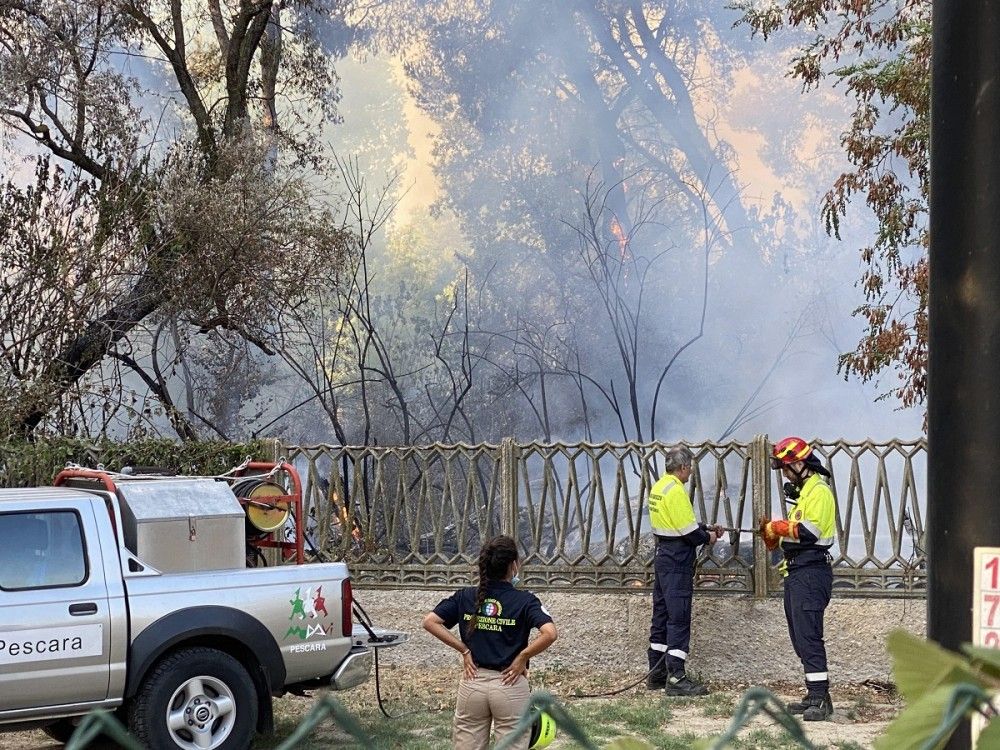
(528, 157)
(517, 139)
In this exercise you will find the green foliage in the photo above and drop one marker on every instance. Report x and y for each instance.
(881, 55)
(988, 657)
(35, 464)
(940, 688)
(919, 666)
(918, 722)
(989, 738)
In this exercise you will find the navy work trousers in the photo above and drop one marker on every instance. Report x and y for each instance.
(670, 631)
(807, 594)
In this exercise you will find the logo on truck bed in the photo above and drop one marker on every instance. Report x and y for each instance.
(51, 643)
(305, 608)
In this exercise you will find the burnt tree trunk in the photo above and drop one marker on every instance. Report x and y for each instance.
(90, 347)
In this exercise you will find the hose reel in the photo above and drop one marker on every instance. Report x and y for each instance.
(266, 505)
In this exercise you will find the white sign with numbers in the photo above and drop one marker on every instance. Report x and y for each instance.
(986, 598)
(985, 608)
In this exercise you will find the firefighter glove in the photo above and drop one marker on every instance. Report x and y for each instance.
(769, 534)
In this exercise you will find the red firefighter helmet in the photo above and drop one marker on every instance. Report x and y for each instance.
(788, 451)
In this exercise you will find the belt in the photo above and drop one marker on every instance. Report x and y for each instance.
(792, 554)
(670, 540)
(789, 558)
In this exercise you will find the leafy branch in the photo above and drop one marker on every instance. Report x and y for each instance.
(941, 689)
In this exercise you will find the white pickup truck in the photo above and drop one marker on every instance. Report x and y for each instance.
(131, 594)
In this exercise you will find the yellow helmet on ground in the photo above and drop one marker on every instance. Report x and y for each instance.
(543, 731)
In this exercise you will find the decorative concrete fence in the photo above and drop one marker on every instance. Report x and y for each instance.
(414, 516)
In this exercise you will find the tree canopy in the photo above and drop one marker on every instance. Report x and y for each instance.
(880, 54)
(186, 172)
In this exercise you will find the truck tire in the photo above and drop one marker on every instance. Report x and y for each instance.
(195, 699)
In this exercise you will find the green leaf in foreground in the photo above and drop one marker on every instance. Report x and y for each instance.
(989, 738)
(920, 720)
(920, 666)
(988, 658)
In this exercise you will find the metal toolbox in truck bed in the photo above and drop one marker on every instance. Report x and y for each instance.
(180, 525)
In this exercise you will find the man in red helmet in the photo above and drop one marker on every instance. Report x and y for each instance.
(805, 538)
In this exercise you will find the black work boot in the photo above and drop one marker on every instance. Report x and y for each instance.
(657, 677)
(818, 708)
(797, 707)
(680, 685)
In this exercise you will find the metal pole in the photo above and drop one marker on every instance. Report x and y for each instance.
(964, 335)
(760, 467)
(508, 488)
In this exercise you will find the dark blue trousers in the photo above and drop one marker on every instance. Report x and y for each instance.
(670, 631)
(807, 594)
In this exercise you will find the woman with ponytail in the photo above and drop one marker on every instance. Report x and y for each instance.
(495, 619)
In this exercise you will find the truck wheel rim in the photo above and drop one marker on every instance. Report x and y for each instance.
(201, 713)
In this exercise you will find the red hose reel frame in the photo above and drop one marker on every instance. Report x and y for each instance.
(294, 549)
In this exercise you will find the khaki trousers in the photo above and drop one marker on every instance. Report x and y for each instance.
(485, 700)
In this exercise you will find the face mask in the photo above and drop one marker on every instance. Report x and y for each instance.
(516, 579)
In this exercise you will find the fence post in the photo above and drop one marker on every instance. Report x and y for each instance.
(760, 502)
(508, 487)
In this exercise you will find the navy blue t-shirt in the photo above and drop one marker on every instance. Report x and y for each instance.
(505, 621)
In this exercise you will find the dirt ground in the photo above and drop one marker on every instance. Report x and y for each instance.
(733, 638)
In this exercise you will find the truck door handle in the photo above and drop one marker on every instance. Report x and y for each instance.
(85, 608)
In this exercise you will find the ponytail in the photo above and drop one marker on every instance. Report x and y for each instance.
(494, 561)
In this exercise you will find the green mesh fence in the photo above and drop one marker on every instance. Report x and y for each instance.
(105, 726)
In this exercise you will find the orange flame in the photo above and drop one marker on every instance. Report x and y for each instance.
(619, 233)
(345, 519)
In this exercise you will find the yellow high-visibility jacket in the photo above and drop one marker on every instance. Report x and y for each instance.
(812, 523)
(671, 515)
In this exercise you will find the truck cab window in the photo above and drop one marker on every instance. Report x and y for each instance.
(41, 550)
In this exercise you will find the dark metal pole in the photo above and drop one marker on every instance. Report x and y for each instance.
(964, 338)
